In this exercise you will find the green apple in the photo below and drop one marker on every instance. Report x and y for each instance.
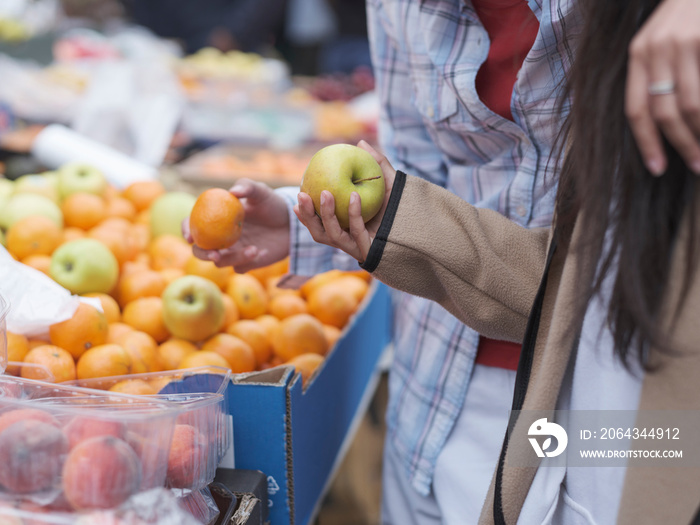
(168, 211)
(23, 205)
(38, 184)
(193, 308)
(80, 178)
(84, 266)
(342, 169)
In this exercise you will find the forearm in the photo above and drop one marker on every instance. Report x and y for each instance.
(479, 265)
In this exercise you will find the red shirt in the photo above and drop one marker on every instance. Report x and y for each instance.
(512, 28)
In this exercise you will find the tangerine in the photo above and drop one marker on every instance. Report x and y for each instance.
(142, 193)
(230, 310)
(33, 235)
(57, 360)
(169, 251)
(332, 304)
(139, 284)
(306, 365)
(299, 334)
(248, 294)
(137, 387)
(236, 351)
(255, 335)
(203, 358)
(209, 270)
(116, 330)
(110, 307)
(284, 305)
(17, 348)
(72, 233)
(39, 262)
(216, 220)
(120, 207)
(87, 328)
(173, 351)
(102, 361)
(146, 314)
(142, 350)
(83, 210)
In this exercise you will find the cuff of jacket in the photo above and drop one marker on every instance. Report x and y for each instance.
(376, 250)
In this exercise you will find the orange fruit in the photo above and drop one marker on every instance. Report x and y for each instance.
(273, 290)
(72, 233)
(59, 362)
(170, 274)
(38, 262)
(216, 220)
(362, 274)
(142, 350)
(117, 241)
(205, 358)
(209, 270)
(332, 304)
(110, 192)
(285, 305)
(145, 283)
(115, 223)
(299, 334)
(120, 207)
(116, 330)
(33, 235)
(131, 267)
(269, 324)
(230, 310)
(110, 307)
(17, 348)
(141, 237)
(264, 273)
(318, 280)
(87, 328)
(33, 343)
(142, 193)
(137, 387)
(306, 365)
(248, 294)
(255, 335)
(332, 334)
(169, 251)
(173, 351)
(236, 351)
(143, 217)
(146, 315)
(102, 361)
(158, 383)
(83, 210)
(354, 285)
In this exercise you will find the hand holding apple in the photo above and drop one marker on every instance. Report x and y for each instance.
(343, 169)
(265, 235)
(324, 224)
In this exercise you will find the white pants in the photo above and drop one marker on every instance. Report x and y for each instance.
(465, 465)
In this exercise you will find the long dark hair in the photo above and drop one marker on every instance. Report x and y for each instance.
(604, 183)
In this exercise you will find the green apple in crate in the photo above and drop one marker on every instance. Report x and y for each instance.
(84, 266)
(80, 178)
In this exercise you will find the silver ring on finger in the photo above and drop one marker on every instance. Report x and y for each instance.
(663, 87)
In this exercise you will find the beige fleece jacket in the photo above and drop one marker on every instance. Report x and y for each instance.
(486, 270)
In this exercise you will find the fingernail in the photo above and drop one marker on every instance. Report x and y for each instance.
(323, 197)
(655, 166)
(354, 197)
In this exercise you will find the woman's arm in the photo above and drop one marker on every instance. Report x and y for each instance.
(482, 267)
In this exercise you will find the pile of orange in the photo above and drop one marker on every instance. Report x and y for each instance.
(264, 325)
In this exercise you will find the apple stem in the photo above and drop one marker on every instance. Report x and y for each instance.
(189, 299)
(363, 180)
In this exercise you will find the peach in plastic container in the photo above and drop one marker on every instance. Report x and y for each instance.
(76, 449)
(202, 433)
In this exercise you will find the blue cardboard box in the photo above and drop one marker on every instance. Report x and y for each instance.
(298, 437)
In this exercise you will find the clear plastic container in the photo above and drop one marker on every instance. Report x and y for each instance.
(4, 310)
(73, 448)
(30, 370)
(202, 434)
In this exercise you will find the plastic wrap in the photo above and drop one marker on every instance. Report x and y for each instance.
(71, 448)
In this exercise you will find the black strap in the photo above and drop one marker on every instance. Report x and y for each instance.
(522, 378)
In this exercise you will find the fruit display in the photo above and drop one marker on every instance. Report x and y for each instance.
(161, 308)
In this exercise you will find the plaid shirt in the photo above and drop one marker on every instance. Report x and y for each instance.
(426, 55)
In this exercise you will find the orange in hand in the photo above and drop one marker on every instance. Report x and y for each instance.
(216, 219)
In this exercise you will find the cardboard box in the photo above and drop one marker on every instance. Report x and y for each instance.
(298, 437)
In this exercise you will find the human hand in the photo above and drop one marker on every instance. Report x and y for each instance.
(326, 229)
(663, 85)
(265, 235)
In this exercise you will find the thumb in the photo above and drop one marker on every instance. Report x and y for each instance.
(251, 190)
